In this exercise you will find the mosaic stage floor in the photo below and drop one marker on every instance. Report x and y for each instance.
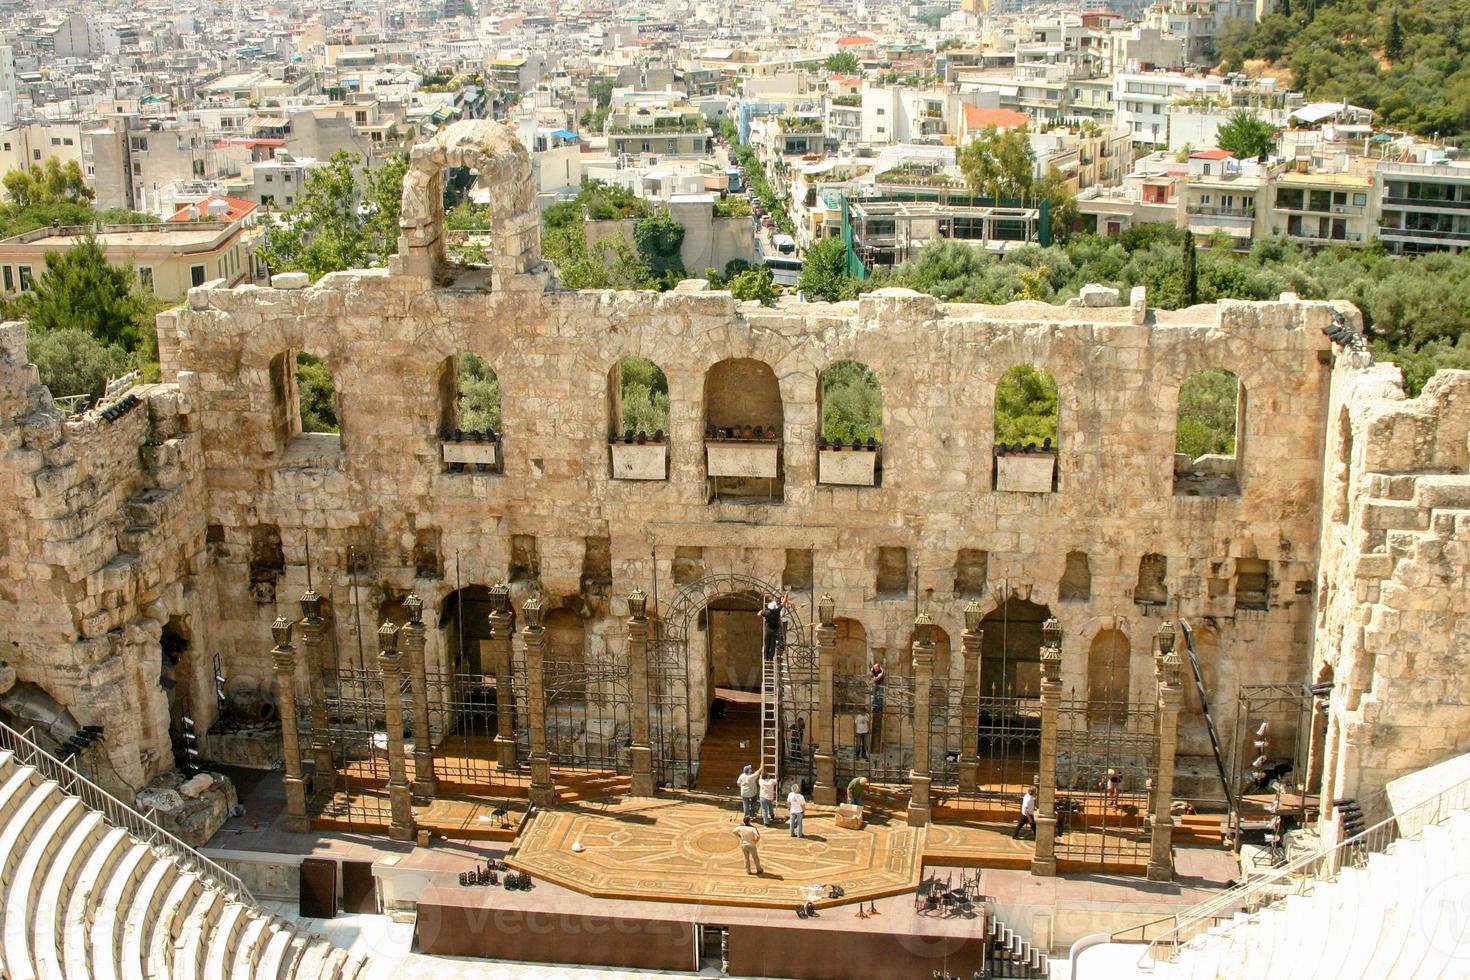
(678, 850)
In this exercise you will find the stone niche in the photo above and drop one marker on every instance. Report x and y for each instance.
(640, 460)
(850, 467)
(1032, 472)
(742, 459)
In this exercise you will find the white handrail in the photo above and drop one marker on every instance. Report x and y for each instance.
(119, 814)
(1322, 865)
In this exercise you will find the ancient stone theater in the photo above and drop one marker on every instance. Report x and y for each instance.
(533, 646)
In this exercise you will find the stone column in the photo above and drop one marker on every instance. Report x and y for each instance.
(312, 637)
(533, 641)
(642, 749)
(970, 641)
(1171, 695)
(923, 678)
(411, 640)
(284, 662)
(824, 790)
(502, 626)
(1044, 856)
(400, 801)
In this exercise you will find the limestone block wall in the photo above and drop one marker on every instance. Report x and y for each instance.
(1393, 620)
(380, 491)
(102, 537)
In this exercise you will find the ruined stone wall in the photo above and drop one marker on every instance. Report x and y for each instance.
(1393, 620)
(102, 531)
(381, 489)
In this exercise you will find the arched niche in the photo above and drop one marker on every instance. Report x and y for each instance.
(638, 419)
(566, 654)
(744, 424)
(849, 445)
(1108, 679)
(471, 429)
(1027, 426)
(464, 619)
(1209, 434)
(1010, 651)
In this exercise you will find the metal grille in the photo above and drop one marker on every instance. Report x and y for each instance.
(462, 722)
(1008, 746)
(588, 713)
(668, 709)
(1104, 775)
(890, 756)
(358, 736)
(946, 731)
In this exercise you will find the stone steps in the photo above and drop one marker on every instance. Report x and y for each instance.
(84, 900)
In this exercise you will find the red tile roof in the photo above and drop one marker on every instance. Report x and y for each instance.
(239, 208)
(1212, 155)
(978, 118)
(853, 40)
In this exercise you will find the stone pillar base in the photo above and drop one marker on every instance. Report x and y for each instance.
(505, 752)
(1160, 872)
(824, 790)
(297, 825)
(969, 774)
(1044, 860)
(918, 800)
(1044, 867)
(543, 792)
(324, 777)
(296, 820)
(642, 770)
(425, 787)
(400, 804)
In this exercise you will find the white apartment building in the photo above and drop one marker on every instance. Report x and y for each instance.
(1141, 101)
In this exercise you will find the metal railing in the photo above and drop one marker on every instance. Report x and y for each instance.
(1298, 877)
(119, 814)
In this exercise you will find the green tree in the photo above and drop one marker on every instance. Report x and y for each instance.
(1026, 407)
(659, 238)
(852, 403)
(998, 163)
(79, 289)
(1247, 135)
(1191, 270)
(326, 230)
(842, 63)
(51, 183)
(316, 394)
(1393, 45)
(754, 283)
(477, 402)
(824, 272)
(73, 362)
(1207, 412)
(644, 396)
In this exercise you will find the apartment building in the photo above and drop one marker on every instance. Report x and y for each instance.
(32, 144)
(1425, 206)
(1142, 101)
(1323, 208)
(657, 123)
(1224, 196)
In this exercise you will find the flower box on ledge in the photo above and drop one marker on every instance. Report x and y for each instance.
(1025, 470)
(743, 451)
(856, 466)
(636, 458)
(478, 449)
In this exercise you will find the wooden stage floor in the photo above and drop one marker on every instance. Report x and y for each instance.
(675, 849)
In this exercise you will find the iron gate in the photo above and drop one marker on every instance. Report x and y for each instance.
(463, 719)
(588, 711)
(890, 710)
(1008, 746)
(1105, 772)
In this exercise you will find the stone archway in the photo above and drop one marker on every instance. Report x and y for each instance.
(504, 167)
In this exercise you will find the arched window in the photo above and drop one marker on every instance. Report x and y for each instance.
(638, 413)
(1027, 422)
(306, 413)
(1107, 678)
(469, 415)
(848, 448)
(744, 424)
(1208, 434)
(317, 393)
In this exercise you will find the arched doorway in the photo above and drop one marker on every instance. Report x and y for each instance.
(1107, 678)
(1010, 653)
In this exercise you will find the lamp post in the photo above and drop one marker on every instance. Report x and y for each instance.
(283, 658)
(324, 775)
(533, 642)
(919, 779)
(390, 666)
(1171, 696)
(502, 627)
(641, 751)
(824, 790)
(970, 642)
(1044, 858)
(411, 639)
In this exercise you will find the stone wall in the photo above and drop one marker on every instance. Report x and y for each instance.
(381, 486)
(102, 529)
(1393, 618)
